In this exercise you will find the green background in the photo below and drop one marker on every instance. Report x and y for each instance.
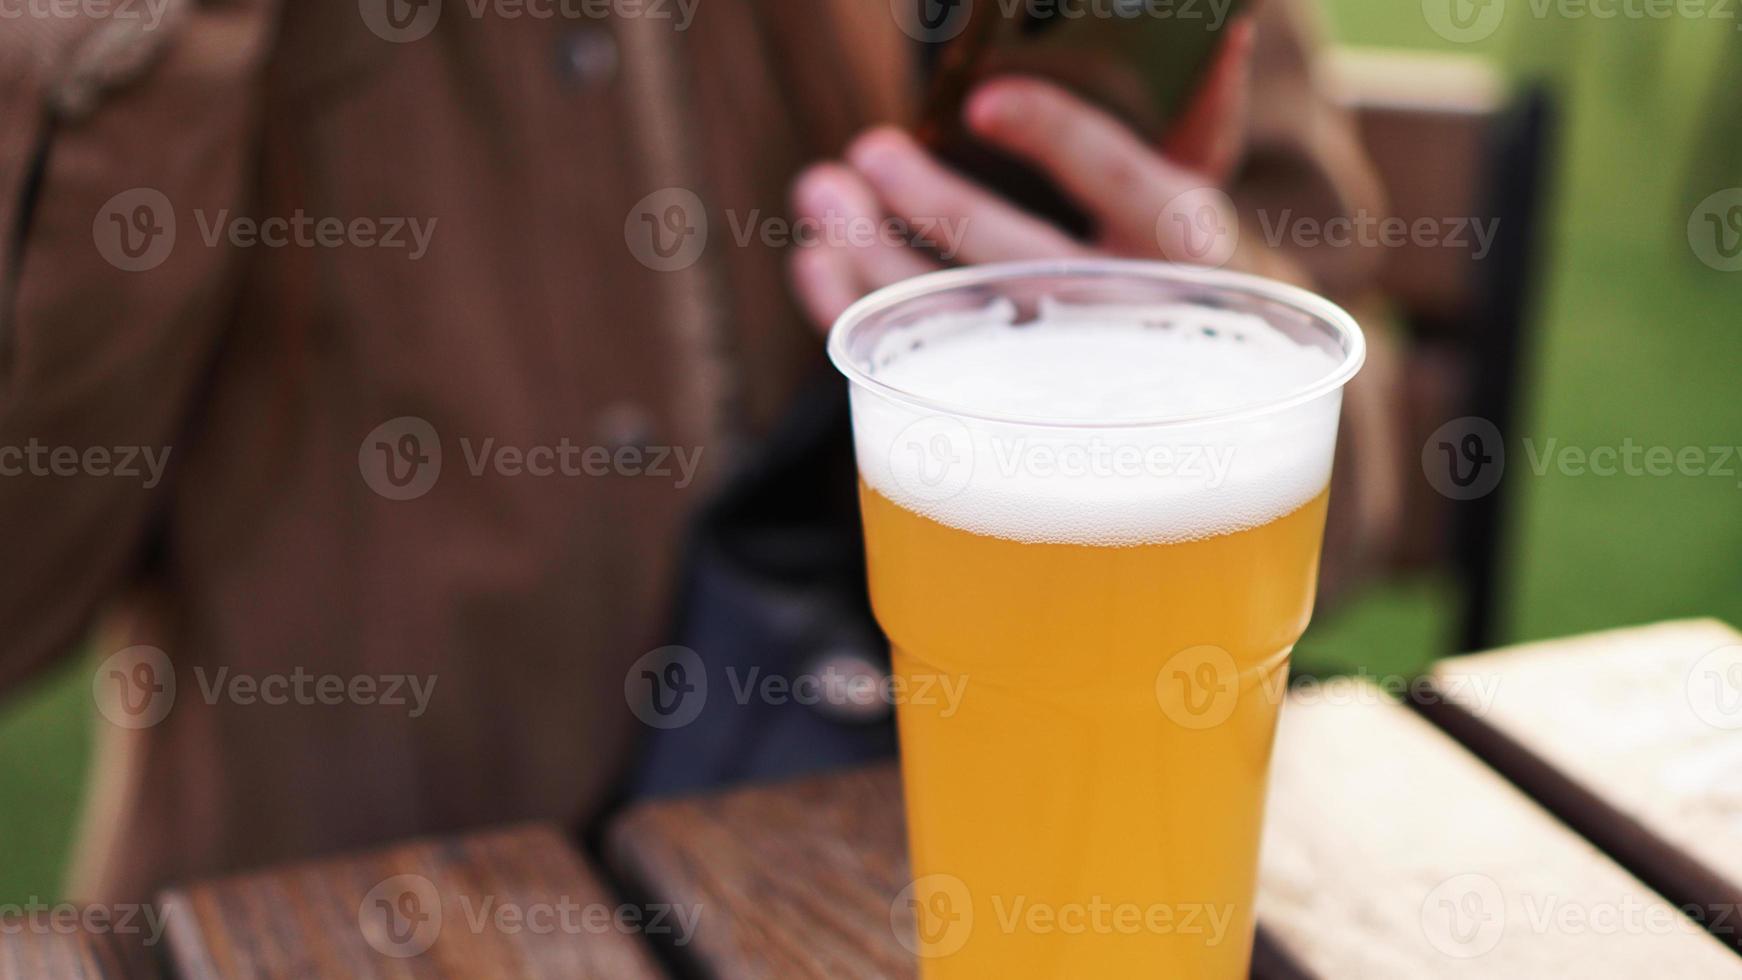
(1636, 339)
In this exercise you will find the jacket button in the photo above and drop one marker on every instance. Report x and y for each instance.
(588, 57)
(852, 688)
(623, 425)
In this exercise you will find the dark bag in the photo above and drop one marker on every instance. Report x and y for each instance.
(773, 614)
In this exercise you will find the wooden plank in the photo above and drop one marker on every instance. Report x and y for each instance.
(1633, 737)
(1390, 851)
(67, 942)
(513, 903)
(800, 880)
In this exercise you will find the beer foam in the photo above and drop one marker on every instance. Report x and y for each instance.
(1169, 455)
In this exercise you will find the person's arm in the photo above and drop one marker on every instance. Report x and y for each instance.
(116, 130)
(1302, 156)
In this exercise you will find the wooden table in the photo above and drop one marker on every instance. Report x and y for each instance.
(1612, 769)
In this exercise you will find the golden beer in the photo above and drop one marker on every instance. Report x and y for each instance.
(1115, 613)
(1071, 771)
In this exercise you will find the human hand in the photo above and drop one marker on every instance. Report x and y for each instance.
(1146, 202)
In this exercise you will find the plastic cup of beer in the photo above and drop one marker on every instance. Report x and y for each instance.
(1094, 494)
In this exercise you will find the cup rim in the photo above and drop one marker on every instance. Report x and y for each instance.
(1309, 303)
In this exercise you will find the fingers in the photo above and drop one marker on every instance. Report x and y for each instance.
(845, 254)
(825, 282)
(1096, 159)
(1208, 135)
(972, 223)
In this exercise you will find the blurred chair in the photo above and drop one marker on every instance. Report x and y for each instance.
(1450, 140)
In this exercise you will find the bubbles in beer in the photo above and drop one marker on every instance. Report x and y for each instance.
(1097, 424)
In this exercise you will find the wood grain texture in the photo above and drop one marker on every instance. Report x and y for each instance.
(795, 880)
(799, 880)
(515, 903)
(1390, 851)
(52, 954)
(1634, 737)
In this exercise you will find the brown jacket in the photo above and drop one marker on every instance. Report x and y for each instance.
(284, 382)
